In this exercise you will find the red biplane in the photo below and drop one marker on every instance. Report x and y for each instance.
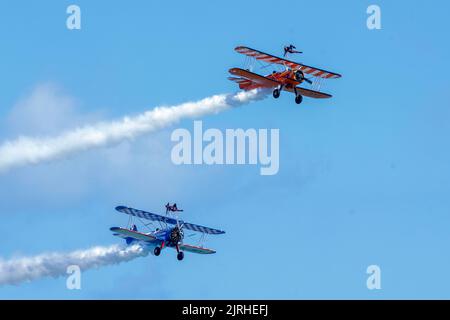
(287, 80)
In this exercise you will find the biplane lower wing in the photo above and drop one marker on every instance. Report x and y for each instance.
(265, 82)
(239, 80)
(126, 233)
(309, 93)
(262, 81)
(195, 249)
(242, 82)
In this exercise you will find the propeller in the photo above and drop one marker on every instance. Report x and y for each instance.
(176, 235)
(307, 80)
(300, 76)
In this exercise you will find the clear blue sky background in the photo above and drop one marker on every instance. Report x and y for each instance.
(364, 177)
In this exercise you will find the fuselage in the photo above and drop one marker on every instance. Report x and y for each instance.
(169, 236)
(286, 78)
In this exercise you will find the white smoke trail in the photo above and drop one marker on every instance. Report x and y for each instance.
(33, 150)
(24, 269)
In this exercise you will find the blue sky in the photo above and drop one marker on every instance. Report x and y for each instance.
(364, 177)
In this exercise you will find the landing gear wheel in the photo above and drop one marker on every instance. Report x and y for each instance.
(180, 255)
(157, 251)
(298, 99)
(276, 93)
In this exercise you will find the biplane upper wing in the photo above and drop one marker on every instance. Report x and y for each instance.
(145, 215)
(195, 249)
(126, 233)
(259, 55)
(202, 229)
(157, 217)
(253, 77)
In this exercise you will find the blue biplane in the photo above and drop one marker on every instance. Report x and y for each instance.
(169, 235)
